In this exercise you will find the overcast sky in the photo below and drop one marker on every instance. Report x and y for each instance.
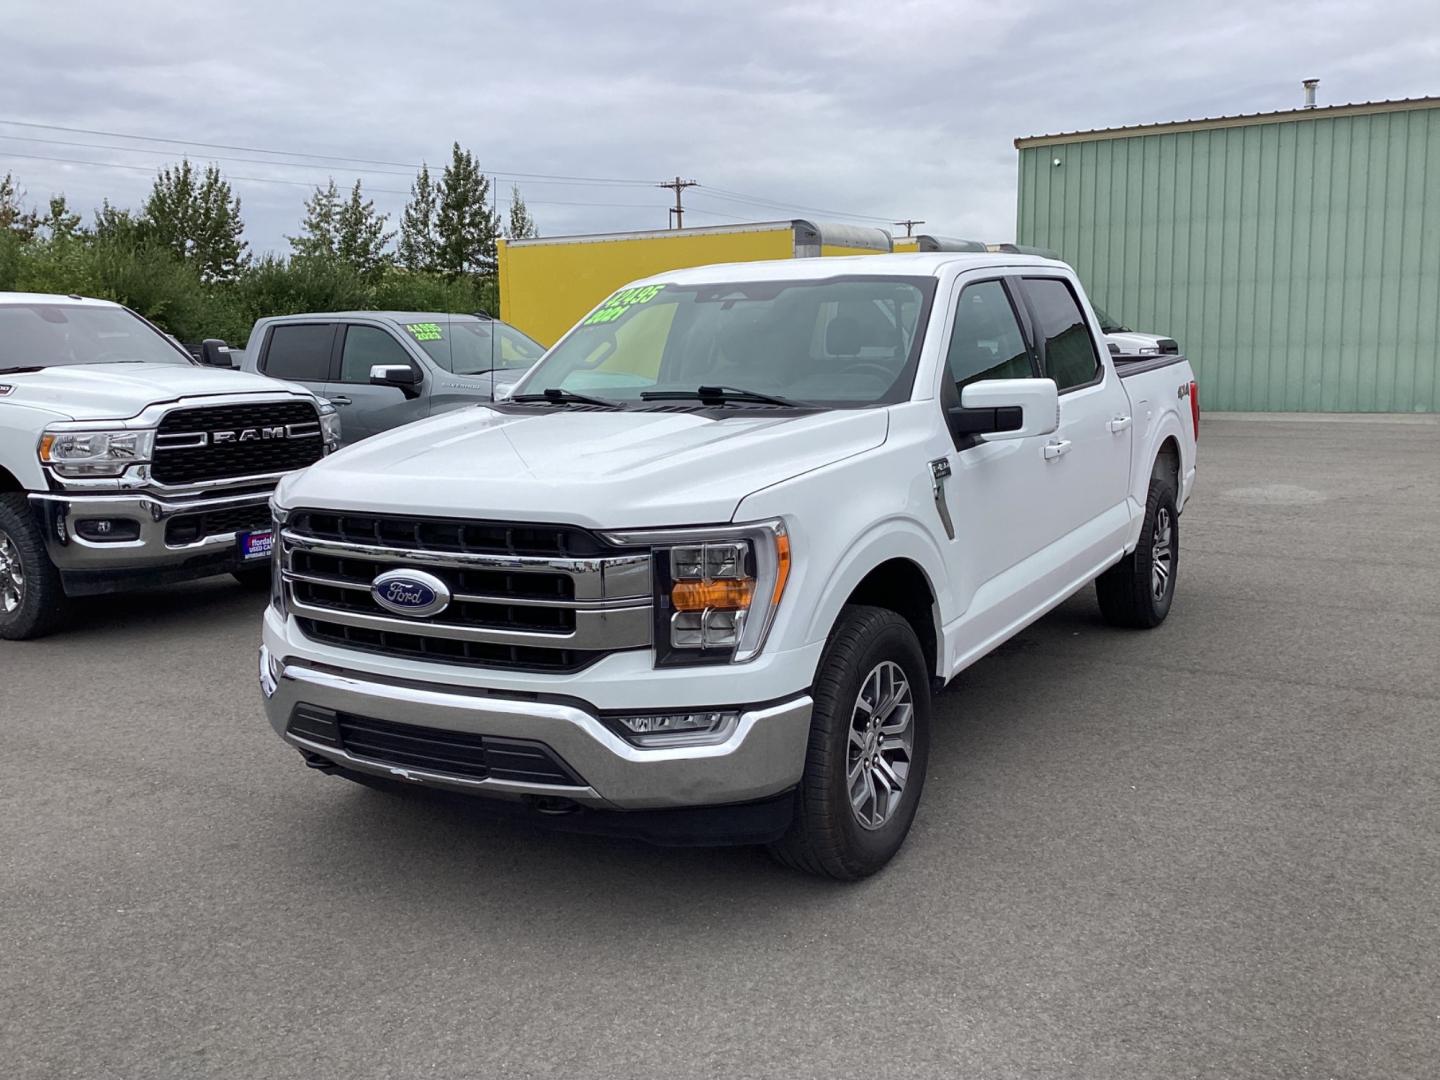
(846, 110)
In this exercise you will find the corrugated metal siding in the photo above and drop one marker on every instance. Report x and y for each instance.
(1298, 264)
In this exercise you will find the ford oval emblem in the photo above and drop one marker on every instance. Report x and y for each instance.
(410, 592)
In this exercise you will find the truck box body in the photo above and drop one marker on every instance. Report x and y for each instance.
(546, 285)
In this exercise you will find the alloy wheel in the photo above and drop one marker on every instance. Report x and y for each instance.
(12, 576)
(1162, 554)
(881, 744)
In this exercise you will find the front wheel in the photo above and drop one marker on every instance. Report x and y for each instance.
(32, 599)
(1139, 589)
(869, 747)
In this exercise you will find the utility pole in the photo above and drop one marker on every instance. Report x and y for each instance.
(677, 212)
(908, 223)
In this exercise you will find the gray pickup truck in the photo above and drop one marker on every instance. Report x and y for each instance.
(382, 369)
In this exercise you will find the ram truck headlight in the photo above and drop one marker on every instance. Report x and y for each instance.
(95, 453)
(716, 590)
(329, 426)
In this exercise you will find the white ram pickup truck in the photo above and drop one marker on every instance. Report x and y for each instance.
(698, 579)
(125, 463)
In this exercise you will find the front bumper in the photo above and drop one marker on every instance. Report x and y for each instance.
(88, 565)
(763, 757)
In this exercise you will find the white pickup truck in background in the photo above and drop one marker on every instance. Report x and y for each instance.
(699, 577)
(124, 463)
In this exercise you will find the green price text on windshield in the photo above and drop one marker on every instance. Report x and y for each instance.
(621, 302)
(424, 331)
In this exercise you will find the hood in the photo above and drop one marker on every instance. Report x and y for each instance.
(119, 391)
(606, 470)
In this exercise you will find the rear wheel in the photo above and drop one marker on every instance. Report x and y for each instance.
(32, 599)
(1138, 590)
(869, 746)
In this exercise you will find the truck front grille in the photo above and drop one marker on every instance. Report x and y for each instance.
(511, 607)
(188, 528)
(224, 442)
(437, 750)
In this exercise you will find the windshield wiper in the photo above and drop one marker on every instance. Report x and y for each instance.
(555, 396)
(20, 370)
(720, 395)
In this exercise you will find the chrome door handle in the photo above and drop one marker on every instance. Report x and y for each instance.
(339, 400)
(1119, 424)
(1054, 449)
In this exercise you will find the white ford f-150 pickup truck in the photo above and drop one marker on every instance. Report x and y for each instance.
(125, 463)
(699, 578)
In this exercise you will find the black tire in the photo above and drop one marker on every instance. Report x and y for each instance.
(41, 596)
(1127, 592)
(827, 836)
(256, 578)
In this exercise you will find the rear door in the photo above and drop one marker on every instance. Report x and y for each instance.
(299, 352)
(367, 410)
(1086, 475)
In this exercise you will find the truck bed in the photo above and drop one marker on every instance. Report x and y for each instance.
(1125, 366)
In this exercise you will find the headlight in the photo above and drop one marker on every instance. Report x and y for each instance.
(329, 425)
(716, 590)
(95, 453)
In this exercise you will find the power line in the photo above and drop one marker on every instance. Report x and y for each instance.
(757, 200)
(300, 183)
(301, 154)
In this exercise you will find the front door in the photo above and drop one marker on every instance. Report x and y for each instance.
(366, 409)
(990, 492)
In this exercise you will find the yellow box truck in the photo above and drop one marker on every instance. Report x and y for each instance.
(546, 285)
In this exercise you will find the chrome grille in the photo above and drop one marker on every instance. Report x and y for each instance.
(511, 606)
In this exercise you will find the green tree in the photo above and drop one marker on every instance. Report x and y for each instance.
(466, 227)
(522, 225)
(318, 237)
(360, 236)
(197, 216)
(60, 224)
(14, 218)
(416, 250)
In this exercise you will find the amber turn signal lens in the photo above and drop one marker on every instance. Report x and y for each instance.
(699, 595)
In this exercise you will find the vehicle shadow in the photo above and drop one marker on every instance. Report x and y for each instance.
(159, 610)
(418, 847)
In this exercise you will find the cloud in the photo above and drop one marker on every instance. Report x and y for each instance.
(905, 108)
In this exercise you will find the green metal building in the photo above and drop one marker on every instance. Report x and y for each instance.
(1294, 255)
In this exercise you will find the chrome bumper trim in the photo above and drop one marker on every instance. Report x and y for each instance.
(764, 756)
(69, 551)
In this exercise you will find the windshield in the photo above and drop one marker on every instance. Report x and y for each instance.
(846, 342)
(1109, 325)
(58, 335)
(471, 346)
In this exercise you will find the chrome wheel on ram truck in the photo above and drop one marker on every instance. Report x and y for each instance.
(30, 594)
(869, 743)
(1138, 590)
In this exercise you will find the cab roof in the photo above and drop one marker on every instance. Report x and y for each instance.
(54, 298)
(910, 264)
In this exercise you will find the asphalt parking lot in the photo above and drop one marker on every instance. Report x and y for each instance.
(1208, 850)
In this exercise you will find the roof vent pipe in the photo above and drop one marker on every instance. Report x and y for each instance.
(1310, 85)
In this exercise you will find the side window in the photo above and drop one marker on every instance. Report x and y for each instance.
(1070, 357)
(300, 352)
(366, 346)
(986, 342)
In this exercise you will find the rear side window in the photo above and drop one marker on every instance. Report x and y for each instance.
(300, 352)
(1070, 356)
(366, 346)
(986, 342)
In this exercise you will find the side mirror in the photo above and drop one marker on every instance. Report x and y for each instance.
(215, 353)
(995, 409)
(403, 376)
